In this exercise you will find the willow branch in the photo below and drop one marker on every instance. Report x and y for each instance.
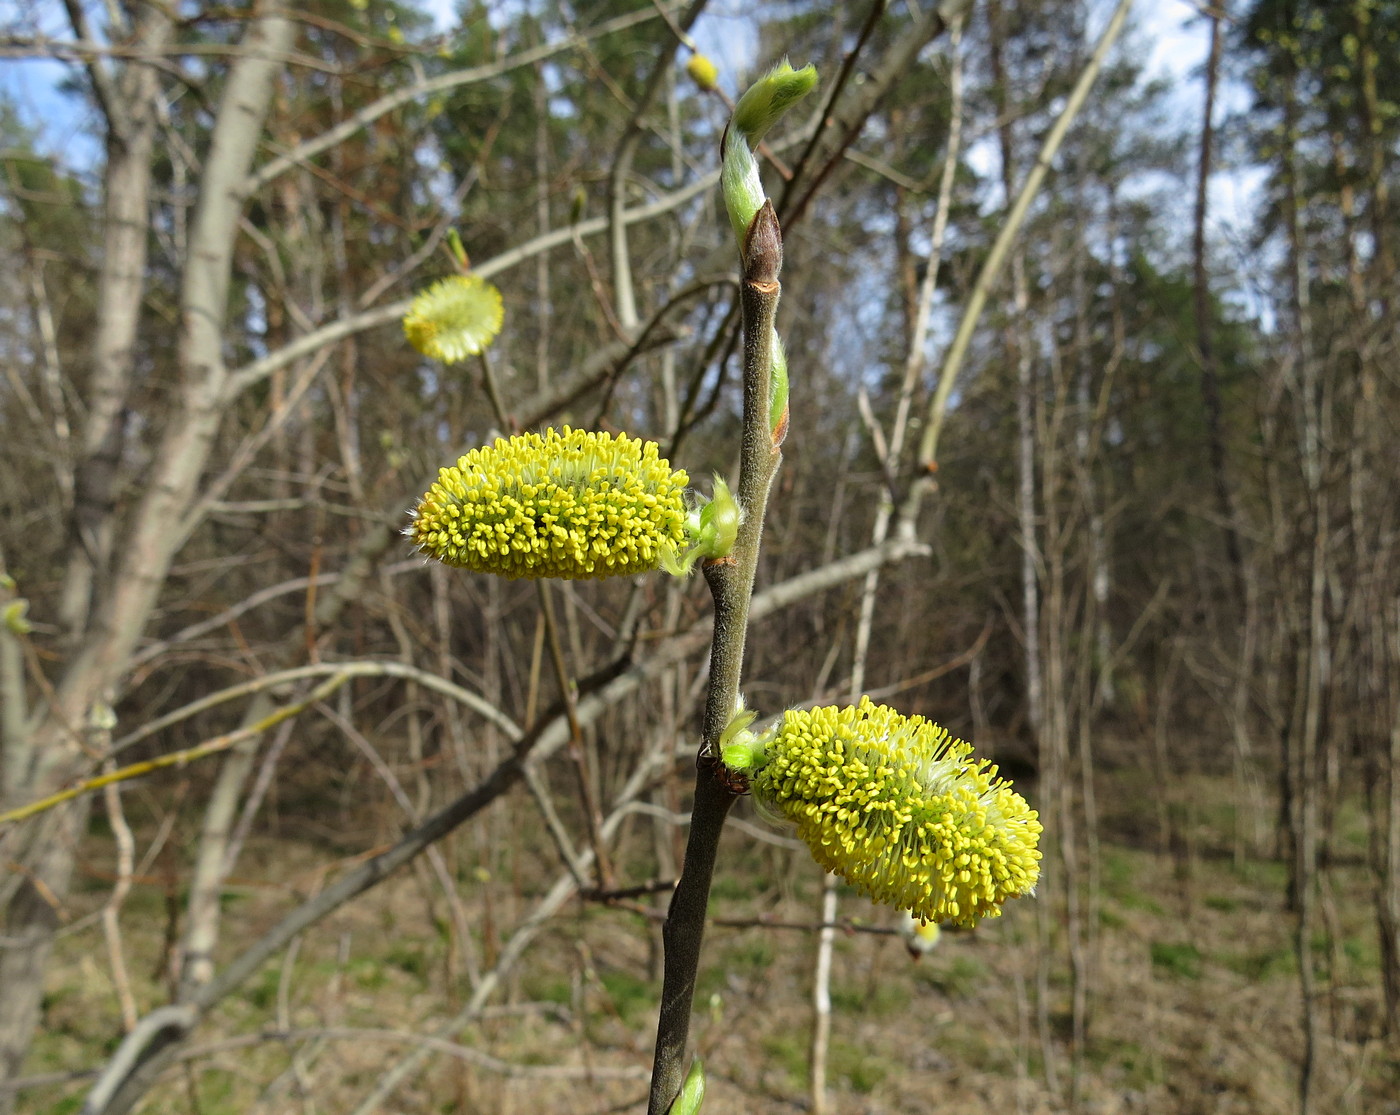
(176, 758)
(731, 584)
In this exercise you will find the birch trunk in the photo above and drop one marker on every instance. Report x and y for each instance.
(120, 611)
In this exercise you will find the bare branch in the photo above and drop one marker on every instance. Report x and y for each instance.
(391, 101)
(1010, 228)
(258, 370)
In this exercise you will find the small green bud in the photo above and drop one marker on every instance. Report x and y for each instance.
(692, 1091)
(740, 749)
(15, 620)
(778, 392)
(702, 71)
(770, 96)
(457, 248)
(719, 522)
(102, 718)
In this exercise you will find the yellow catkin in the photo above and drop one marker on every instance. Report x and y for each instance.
(566, 503)
(702, 71)
(454, 318)
(900, 810)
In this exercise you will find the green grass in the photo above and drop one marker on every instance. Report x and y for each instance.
(862, 1068)
(368, 973)
(262, 993)
(957, 977)
(1139, 1068)
(786, 1049)
(632, 997)
(880, 1000)
(1179, 960)
(1122, 873)
(1262, 963)
(408, 958)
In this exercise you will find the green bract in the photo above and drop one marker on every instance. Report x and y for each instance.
(896, 807)
(568, 504)
(711, 529)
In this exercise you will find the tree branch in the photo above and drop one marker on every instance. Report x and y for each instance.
(1010, 228)
(249, 374)
(372, 112)
(731, 584)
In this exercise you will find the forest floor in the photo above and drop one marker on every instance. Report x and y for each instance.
(1193, 1003)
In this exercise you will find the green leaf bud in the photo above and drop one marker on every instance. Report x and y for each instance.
(16, 620)
(739, 749)
(757, 111)
(778, 392)
(692, 1091)
(740, 184)
(719, 522)
(765, 101)
(457, 248)
(702, 71)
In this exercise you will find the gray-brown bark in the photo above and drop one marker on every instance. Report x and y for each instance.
(125, 606)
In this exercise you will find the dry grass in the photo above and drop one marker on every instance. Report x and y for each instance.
(1195, 1006)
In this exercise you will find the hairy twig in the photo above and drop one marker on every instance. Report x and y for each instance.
(731, 584)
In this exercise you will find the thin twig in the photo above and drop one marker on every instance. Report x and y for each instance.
(111, 927)
(177, 758)
(299, 155)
